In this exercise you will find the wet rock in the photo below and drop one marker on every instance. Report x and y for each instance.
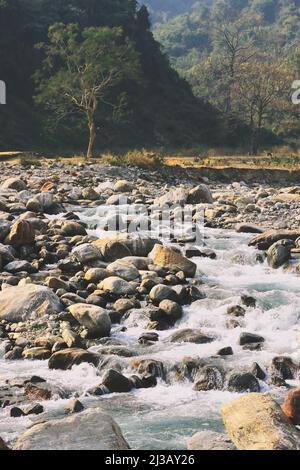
(227, 351)
(40, 391)
(67, 358)
(124, 305)
(248, 301)
(4, 229)
(16, 412)
(266, 239)
(172, 310)
(89, 430)
(149, 366)
(210, 440)
(123, 269)
(3, 446)
(118, 200)
(36, 409)
(21, 233)
(172, 260)
(90, 194)
(279, 253)
(145, 381)
(236, 311)
(117, 286)
(148, 337)
(283, 367)
(189, 335)
(200, 194)
(115, 382)
(36, 354)
(188, 294)
(20, 303)
(291, 406)
(242, 382)
(256, 422)
(161, 292)
(208, 378)
(94, 319)
(249, 338)
(257, 371)
(74, 406)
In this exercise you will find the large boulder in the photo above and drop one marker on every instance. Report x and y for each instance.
(20, 303)
(95, 319)
(123, 245)
(67, 358)
(21, 233)
(200, 194)
(176, 196)
(89, 430)
(264, 240)
(256, 422)
(291, 406)
(279, 253)
(172, 260)
(210, 440)
(71, 229)
(115, 382)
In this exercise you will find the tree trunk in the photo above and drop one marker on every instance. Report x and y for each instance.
(92, 138)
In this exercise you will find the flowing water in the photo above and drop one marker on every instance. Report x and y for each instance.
(164, 417)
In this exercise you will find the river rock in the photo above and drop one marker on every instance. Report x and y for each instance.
(74, 406)
(3, 446)
(123, 245)
(86, 253)
(208, 378)
(5, 226)
(189, 336)
(14, 183)
(21, 233)
(67, 358)
(90, 430)
(172, 309)
(117, 286)
(115, 382)
(123, 269)
(266, 239)
(95, 275)
(161, 292)
(123, 186)
(248, 228)
(210, 440)
(279, 253)
(36, 354)
(256, 422)
(250, 338)
(291, 406)
(70, 229)
(172, 260)
(30, 301)
(200, 194)
(242, 382)
(176, 196)
(95, 319)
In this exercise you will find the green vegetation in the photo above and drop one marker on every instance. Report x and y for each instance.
(155, 108)
(242, 56)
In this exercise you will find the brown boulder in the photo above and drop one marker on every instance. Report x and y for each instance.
(21, 233)
(291, 406)
(172, 260)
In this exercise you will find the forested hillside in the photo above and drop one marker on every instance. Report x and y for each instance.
(162, 10)
(155, 107)
(242, 56)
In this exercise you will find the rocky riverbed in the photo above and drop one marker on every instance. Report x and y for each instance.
(108, 313)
